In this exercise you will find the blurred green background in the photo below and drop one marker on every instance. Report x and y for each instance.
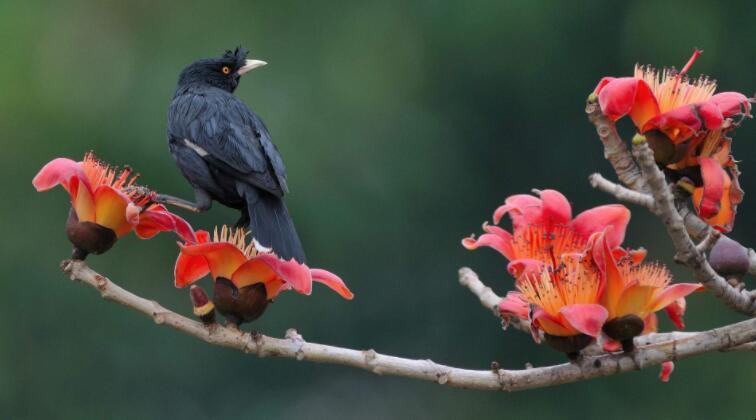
(403, 125)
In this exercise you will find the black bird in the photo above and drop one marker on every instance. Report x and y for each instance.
(224, 150)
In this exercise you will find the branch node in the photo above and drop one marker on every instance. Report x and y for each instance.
(298, 340)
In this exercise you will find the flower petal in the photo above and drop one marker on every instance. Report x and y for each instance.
(614, 283)
(222, 257)
(156, 218)
(731, 103)
(635, 300)
(551, 325)
(500, 241)
(678, 124)
(189, 269)
(599, 218)
(666, 370)
(82, 200)
(110, 209)
(588, 318)
(675, 312)
(332, 281)
(522, 209)
(514, 304)
(59, 171)
(556, 210)
(713, 187)
(671, 293)
(627, 95)
(268, 268)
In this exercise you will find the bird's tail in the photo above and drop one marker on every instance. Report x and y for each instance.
(268, 219)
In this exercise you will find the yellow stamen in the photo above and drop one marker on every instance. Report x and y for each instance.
(673, 89)
(101, 173)
(577, 283)
(238, 238)
(650, 275)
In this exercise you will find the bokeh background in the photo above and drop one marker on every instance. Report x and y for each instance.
(403, 125)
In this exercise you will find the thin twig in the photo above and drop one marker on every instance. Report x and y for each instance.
(621, 193)
(488, 298)
(687, 252)
(295, 347)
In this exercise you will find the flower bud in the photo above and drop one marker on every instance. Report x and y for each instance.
(203, 308)
(729, 258)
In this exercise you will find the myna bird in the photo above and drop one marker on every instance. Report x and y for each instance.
(225, 152)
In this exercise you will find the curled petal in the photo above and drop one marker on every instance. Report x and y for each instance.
(332, 281)
(222, 258)
(59, 171)
(157, 218)
(675, 312)
(671, 293)
(588, 318)
(731, 104)
(499, 242)
(599, 218)
(267, 268)
(522, 209)
(627, 96)
(110, 209)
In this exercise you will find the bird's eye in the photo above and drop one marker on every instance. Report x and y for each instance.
(226, 70)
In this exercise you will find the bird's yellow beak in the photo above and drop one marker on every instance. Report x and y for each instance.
(249, 65)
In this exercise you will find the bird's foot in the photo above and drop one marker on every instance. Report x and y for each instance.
(178, 202)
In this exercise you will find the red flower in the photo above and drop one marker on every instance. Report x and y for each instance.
(106, 204)
(565, 304)
(717, 193)
(247, 276)
(693, 123)
(544, 230)
(669, 101)
(633, 292)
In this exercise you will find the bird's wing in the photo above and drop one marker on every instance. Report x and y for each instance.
(221, 129)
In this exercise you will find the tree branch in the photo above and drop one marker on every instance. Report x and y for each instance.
(616, 152)
(295, 347)
(687, 253)
(488, 298)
